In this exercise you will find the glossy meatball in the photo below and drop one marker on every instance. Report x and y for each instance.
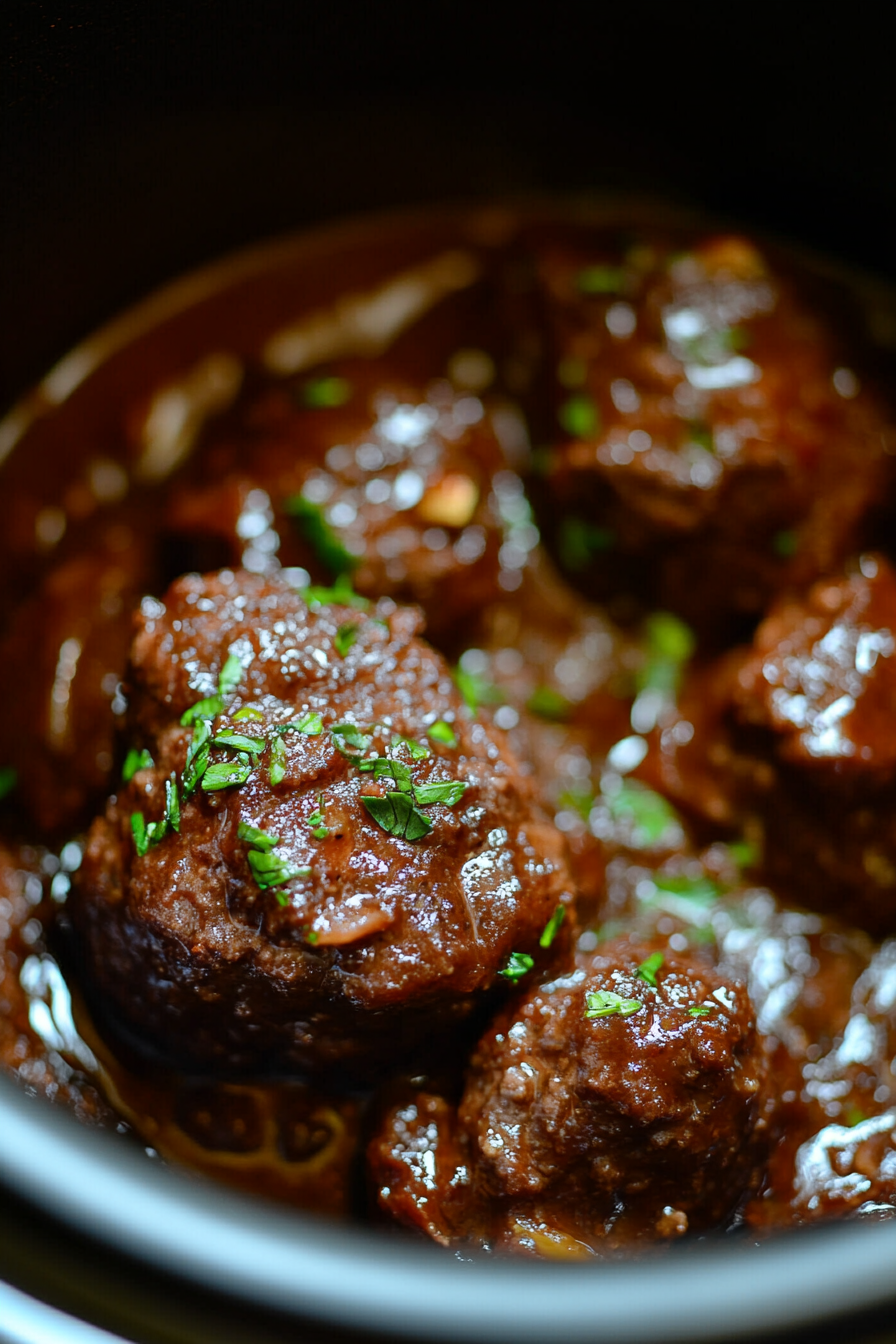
(619, 1100)
(713, 440)
(408, 487)
(793, 737)
(322, 856)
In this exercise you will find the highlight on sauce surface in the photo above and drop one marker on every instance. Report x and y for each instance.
(448, 768)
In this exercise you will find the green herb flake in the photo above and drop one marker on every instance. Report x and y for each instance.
(203, 709)
(606, 1003)
(311, 936)
(785, 544)
(440, 731)
(134, 761)
(650, 816)
(311, 724)
(247, 712)
(550, 929)
(602, 279)
(699, 1010)
(147, 834)
(346, 636)
(239, 742)
(476, 689)
(340, 594)
(577, 800)
(669, 643)
(325, 393)
(282, 898)
(449, 792)
(230, 676)
(383, 767)
(278, 762)
(579, 416)
(648, 969)
(259, 839)
(349, 741)
(579, 541)
(197, 756)
(172, 803)
(269, 870)
(324, 542)
(549, 704)
(397, 815)
(518, 965)
(854, 1116)
(700, 890)
(416, 750)
(225, 774)
(319, 828)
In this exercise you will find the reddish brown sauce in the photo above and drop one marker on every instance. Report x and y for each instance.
(555, 919)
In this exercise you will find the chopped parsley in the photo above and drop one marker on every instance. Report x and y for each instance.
(449, 792)
(349, 741)
(579, 541)
(383, 767)
(579, 416)
(345, 637)
(230, 676)
(224, 774)
(340, 594)
(669, 644)
(208, 708)
(549, 933)
(518, 965)
(134, 761)
(316, 822)
(311, 724)
(146, 834)
(577, 800)
(701, 890)
(607, 1003)
(259, 839)
(240, 742)
(549, 704)
(416, 750)
(440, 731)
(321, 537)
(269, 870)
(397, 815)
(247, 712)
(278, 762)
(172, 803)
(476, 689)
(197, 756)
(648, 969)
(650, 816)
(699, 1010)
(325, 393)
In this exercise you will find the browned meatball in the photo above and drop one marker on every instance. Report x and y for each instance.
(794, 737)
(350, 856)
(409, 488)
(617, 1101)
(715, 447)
(61, 664)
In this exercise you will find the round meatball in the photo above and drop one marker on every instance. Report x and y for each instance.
(409, 488)
(321, 855)
(620, 1100)
(711, 444)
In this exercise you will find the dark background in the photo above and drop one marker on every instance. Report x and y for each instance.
(139, 138)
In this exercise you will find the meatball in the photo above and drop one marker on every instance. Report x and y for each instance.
(61, 664)
(713, 447)
(409, 488)
(620, 1099)
(793, 737)
(321, 855)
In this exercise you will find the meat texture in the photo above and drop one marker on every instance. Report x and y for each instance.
(716, 442)
(411, 489)
(326, 858)
(621, 1100)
